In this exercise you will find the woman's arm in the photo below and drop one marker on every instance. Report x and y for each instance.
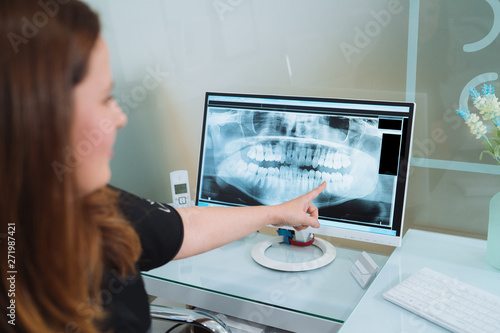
(206, 228)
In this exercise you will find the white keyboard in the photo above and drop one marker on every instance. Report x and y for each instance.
(452, 304)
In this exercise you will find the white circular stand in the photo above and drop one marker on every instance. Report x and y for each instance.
(259, 249)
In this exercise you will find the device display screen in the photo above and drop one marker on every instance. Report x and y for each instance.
(267, 150)
(180, 188)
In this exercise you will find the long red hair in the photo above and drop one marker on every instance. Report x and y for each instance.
(59, 244)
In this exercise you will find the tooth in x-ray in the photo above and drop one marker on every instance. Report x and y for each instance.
(276, 156)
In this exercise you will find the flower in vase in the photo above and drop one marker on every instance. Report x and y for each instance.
(489, 108)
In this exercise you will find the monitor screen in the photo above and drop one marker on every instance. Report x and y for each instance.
(264, 150)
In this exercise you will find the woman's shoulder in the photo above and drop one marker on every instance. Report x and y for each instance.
(158, 225)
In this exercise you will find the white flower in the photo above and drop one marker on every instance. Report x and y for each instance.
(476, 126)
(488, 106)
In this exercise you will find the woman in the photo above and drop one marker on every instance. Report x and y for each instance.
(73, 247)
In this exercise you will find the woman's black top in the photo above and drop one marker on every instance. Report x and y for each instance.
(161, 233)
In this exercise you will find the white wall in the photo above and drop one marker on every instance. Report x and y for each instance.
(279, 47)
(166, 54)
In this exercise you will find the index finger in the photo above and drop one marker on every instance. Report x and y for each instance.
(314, 193)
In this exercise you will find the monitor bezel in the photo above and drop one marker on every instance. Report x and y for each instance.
(403, 172)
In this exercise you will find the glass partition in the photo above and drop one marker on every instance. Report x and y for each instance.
(166, 54)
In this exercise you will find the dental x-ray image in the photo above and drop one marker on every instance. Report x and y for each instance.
(267, 157)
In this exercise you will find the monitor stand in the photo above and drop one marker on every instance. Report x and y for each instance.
(259, 249)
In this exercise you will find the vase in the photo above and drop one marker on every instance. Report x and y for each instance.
(493, 243)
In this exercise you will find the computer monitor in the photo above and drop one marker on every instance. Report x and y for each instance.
(264, 150)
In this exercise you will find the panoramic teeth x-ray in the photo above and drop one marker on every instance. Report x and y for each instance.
(273, 157)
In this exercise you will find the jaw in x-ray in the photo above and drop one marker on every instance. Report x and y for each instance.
(276, 156)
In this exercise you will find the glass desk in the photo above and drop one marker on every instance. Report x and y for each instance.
(458, 257)
(227, 280)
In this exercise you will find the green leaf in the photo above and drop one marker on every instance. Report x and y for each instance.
(487, 152)
(497, 152)
(488, 147)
